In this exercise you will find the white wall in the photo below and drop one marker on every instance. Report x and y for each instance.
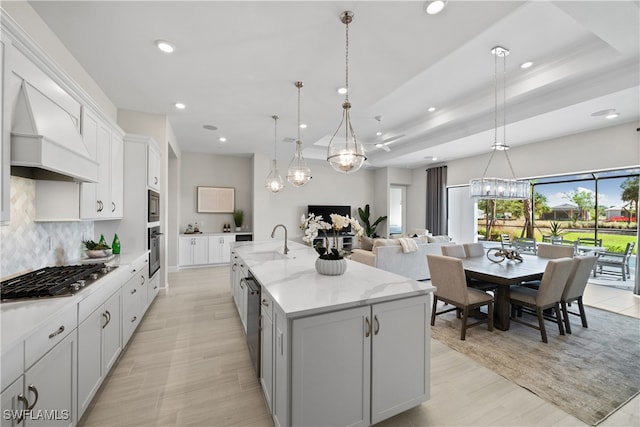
(416, 199)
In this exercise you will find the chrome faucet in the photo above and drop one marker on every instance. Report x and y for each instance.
(286, 249)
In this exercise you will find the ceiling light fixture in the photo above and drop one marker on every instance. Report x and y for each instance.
(342, 90)
(431, 109)
(379, 119)
(499, 188)
(434, 7)
(526, 65)
(347, 157)
(165, 46)
(179, 105)
(210, 127)
(299, 173)
(274, 181)
(222, 139)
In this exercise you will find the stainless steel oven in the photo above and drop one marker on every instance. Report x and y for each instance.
(154, 250)
(153, 206)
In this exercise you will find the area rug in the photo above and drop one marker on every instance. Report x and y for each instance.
(588, 374)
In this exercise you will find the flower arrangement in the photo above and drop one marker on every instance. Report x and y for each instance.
(312, 224)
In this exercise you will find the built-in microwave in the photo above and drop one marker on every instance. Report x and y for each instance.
(154, 206)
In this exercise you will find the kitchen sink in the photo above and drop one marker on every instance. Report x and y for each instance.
(268, 256)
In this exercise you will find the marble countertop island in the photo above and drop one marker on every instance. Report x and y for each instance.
(299, 290)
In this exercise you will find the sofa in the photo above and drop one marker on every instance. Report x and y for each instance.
(388, 255)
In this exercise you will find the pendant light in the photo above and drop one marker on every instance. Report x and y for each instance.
(299, 173)
(274, 180)
(499, 188)
(349, 156)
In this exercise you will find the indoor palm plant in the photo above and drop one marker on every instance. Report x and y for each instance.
(369, 229)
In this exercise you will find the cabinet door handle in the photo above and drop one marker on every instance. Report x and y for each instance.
(368, 332)
(134, 291)
(134, 319)
(113, 206)
(25, 402)
(58, 332)
(377, 325)
(106, 320)
(265, 303)
(155, 287)
(233, 267)
(141, 280)
(34, 390)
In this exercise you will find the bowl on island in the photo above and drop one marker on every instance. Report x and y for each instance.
(98, 253)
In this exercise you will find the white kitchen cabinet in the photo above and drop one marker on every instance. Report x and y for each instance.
(351, 367)
(103, 199)
(266, 348)
(13, 399)
(53, 379)
(220, 249)
(153, 287)
(193, 250)
(153, 167)
(99, 345)
(131, 307)
(5, 126)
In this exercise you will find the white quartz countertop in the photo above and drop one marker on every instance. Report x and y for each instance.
(299, 290)
(20, 319)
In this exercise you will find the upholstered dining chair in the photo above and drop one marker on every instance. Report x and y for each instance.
(456, 251)
(447, 275)
(574, 289)
(459, 251)
(548, 295)
(473, 249)
(551, 251)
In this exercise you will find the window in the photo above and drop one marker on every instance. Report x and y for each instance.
(397, 214)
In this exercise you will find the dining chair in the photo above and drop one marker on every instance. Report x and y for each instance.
(456, 251)
(546, 250)
(616, 261)
(447, 275)
(525, 245)
(548, 295)
(473, 249)
(574, 289)
(506, 242)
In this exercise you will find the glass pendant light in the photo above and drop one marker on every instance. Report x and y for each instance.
(274, 181)
(299, 173)
(491, 187)
(347, 156)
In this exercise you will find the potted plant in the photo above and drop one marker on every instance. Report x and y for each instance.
(330, 261)
(238, 217)
(369, 229)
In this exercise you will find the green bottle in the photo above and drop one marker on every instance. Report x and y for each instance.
(115, 246)
(102, 241)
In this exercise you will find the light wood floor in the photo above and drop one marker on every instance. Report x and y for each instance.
(188, 364)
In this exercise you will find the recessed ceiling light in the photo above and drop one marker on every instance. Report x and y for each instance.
(526, 65)
(303, 125)
(222, 139)
(342, 90)
(435, 6)
(431, 109)
(378, 133)
(379, 145)
(165, 46)
(612, 116)
(210, 127)
(180, 106)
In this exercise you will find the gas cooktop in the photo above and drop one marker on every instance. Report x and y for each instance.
(51, 282)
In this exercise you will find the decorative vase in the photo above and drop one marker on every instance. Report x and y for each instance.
(239, 228)
(331, 267)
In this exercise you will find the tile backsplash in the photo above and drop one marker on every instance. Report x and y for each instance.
(28, 245)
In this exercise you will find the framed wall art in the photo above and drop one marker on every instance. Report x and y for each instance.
(216, 199)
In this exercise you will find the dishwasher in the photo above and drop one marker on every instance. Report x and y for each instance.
(253, 320)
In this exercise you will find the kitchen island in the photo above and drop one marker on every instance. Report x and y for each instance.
(336, 350)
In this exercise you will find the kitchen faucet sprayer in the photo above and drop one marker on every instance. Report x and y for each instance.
(286, 249)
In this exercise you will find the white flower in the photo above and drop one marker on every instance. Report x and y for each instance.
(339, 221)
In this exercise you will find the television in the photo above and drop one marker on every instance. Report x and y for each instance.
(326, 210)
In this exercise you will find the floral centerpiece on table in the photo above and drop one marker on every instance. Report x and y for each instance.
(312, 224)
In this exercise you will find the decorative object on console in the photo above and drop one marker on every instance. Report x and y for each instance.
(238, 218)
(369, 229)
(499, 188)
(274, 181)
(115, 246)
(349, 157)
(299, 173)
(97, 250)
(499, 255)
(335, 263)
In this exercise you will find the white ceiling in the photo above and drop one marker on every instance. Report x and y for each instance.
(236, 62)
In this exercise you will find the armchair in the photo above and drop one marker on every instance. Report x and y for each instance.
(615, 261)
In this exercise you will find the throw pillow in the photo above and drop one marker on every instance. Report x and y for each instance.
(438, 239)
(366, 243)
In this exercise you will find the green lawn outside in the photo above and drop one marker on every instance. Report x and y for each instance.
(613, 242)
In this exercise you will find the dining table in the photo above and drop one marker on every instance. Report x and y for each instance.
(504, 274)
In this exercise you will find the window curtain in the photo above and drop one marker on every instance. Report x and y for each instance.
(436, 220)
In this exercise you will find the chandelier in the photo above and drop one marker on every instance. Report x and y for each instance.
(274, 180)
(299, 173)
(349, 156)
(499, 188)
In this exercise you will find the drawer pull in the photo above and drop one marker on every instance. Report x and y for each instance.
(134, 291)
(377, 325)
(33, 389)
(58, 332)
(368, 333)
(107, 317)
(25, 403)
(265, 303)
(134, 319)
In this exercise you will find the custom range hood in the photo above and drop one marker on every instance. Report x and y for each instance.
(45, 141)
